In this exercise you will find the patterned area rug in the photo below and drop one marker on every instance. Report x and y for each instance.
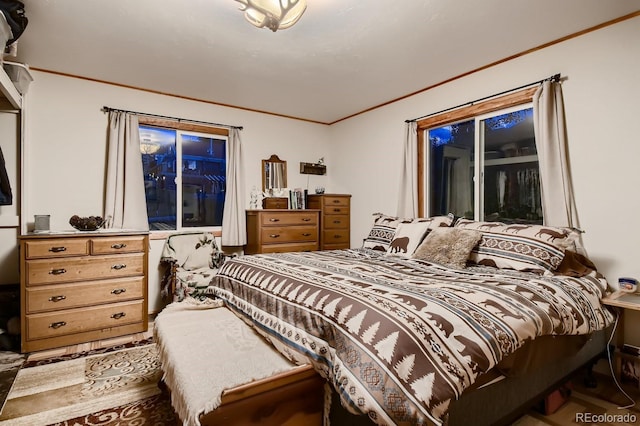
(118, 386)
(10, 363)
(114, 386)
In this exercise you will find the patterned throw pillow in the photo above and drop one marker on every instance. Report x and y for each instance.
(534, 248)
(382, 232)
(407, 237)
(450, 247)
(384, 228)
(563, 237)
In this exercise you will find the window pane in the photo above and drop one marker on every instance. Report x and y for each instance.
(511, 177)
(158, 147)
(451, 165)
(203, 180)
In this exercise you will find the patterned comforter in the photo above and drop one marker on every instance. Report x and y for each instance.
(400, 338)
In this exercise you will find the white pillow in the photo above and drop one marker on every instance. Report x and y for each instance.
(408, 236)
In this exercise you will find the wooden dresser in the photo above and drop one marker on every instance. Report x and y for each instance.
(271, 231)
(335, 219)
(79, 287)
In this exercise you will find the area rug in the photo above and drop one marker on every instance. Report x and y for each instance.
(113, 387)
(10, 363)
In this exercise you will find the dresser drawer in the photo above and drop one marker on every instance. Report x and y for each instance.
(289, 218)
(289, 234)
(288, 247)
(66, 296)
(115, 245)
(335, 236)
(336, 210)
(50, 271)
(338, 221)
(40, 326)
(275, 203)
(335, 201)
(56, 248)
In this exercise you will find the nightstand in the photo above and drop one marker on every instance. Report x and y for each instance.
(622, 301)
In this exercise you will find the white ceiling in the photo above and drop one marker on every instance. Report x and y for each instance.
(342, 57)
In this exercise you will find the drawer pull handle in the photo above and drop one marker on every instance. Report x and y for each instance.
(57, 324)
(337, 236)
(118, 246)
(274, 235)
(274, 219)
(337, 210)
(306, 234)
(57, 298)
(337, 222)
(306, 219)
(118, 290)
(336, 201)
(119, 266)
(118, 315)
(57, 249)
(58, 271)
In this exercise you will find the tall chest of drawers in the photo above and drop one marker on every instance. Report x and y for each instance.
(274, 230)
(335, 219)
(75, 288)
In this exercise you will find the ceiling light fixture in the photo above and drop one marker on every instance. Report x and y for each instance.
(273, 14)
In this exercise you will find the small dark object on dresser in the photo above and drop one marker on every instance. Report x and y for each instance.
(90, 223)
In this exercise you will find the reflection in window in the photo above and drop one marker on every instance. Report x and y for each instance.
(509, 188)
(199, 181)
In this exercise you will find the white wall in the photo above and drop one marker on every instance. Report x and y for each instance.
(601, 94)
(66, 147)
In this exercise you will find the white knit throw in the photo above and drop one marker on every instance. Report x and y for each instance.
(204, 349)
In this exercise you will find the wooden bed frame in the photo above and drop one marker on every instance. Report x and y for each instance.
(292, 398)
(296, 397)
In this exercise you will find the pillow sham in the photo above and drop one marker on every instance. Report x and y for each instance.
(384, 228)
(382, 232)
(562, 237)
(407, 237)
(450, 247)
(516, 252)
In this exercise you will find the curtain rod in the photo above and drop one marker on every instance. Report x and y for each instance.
(555, 77)
(107, 109)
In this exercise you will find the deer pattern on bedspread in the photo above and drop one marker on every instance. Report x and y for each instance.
(400, 338)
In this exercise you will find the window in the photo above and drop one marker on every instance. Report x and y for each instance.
(480, 162)
(186, 163)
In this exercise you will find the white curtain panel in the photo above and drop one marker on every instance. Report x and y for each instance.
(558, 203)
(234, 230)
(125, 202)
(408, 191)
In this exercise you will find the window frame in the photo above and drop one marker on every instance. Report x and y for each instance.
(472, 111)
(181, 126)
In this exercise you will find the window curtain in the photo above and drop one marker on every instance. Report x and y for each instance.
(558, 203)
(234, 230)
(125, 202)
(408, 191)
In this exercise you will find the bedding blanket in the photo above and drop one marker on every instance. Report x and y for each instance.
(400, 338)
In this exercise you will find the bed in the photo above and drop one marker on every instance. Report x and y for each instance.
(420, 330)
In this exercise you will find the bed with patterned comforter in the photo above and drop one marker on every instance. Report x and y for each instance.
(400, 338)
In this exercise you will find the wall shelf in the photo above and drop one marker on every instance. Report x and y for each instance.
(313, 169)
